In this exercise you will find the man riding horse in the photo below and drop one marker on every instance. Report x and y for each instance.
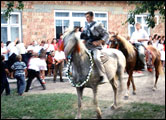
(94, 35)
(139, 39)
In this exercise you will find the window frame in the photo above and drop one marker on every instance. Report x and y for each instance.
(9, 25)
(75, 19)
(142, 24)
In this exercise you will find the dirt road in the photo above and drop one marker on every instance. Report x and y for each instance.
(144, 84)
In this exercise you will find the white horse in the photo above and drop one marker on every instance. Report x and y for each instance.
(85, 74)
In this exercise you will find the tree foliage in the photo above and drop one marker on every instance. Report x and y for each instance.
(149, 7)
(10, 8)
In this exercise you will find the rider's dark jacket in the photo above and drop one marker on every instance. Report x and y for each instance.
(94, 32)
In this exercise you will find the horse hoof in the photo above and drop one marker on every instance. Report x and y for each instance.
(99, 117)
(126, 97)
(113, 107)
(154, 89)
(134, 93)
(77, 117)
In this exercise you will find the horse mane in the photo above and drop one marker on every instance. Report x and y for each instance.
(127, 45)
(79, 47)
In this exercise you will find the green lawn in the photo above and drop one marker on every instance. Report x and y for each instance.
(64, 106)
(139, 111)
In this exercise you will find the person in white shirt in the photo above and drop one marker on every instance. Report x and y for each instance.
(155, 41)
(12, 48)
(140, 35)
(21, 48)
(59, 58)
(31, 47)
(48, 47)
(22, 51)
(160, 47)
(140, 38)
(13, 52)
(4, 51)
(37, 47)
(34, 66)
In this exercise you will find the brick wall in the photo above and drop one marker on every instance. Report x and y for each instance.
(39, 27)
(38, 17)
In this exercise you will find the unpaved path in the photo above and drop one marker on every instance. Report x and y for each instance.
(143, 82)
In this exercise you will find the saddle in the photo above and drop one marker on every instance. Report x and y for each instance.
(104, 56)
(148, 55)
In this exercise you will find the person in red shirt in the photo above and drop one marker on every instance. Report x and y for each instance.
(54, 42)
(60, 42)
(50, 63)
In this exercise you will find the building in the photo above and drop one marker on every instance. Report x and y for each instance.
(43, 20)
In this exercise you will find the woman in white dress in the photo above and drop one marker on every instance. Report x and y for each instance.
(43, 66)
(160, 47)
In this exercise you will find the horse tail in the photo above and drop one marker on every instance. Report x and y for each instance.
(160, 68)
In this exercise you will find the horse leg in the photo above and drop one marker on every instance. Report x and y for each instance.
(157, 76)
(132, 81)
(128, 86)
(120, 78)
(114, 86)
(79, 94)
(98, 111)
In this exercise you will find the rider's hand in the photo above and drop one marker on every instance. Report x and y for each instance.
(97, 43)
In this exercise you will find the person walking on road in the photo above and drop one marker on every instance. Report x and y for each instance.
(34, 71)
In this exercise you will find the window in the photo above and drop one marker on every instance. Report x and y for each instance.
(77, 24)
(78, 14)
(62, 14)
(100, 15)
(11, 28)
(61, 25)
(71, 19)
(141, 19)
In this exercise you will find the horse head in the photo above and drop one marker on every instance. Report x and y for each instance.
(119, 42)
(71, 42)
(113, 40)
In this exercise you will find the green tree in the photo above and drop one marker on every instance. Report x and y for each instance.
(149, 7)
(10, 8)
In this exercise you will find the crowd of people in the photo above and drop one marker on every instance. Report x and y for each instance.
(35, 60)
(47, 58)
(157, 42)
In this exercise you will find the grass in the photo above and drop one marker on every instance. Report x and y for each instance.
(64, 106)
(47, 106)
(139, 111)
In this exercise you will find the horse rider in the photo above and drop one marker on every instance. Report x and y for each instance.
(95, 35)
(140, 38)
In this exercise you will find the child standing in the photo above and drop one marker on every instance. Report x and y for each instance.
(50, 63)
(19, 68)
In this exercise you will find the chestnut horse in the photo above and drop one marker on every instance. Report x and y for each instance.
(132, 59)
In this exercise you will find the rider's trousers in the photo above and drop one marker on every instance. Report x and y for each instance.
(97, 60)
(141, 53)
